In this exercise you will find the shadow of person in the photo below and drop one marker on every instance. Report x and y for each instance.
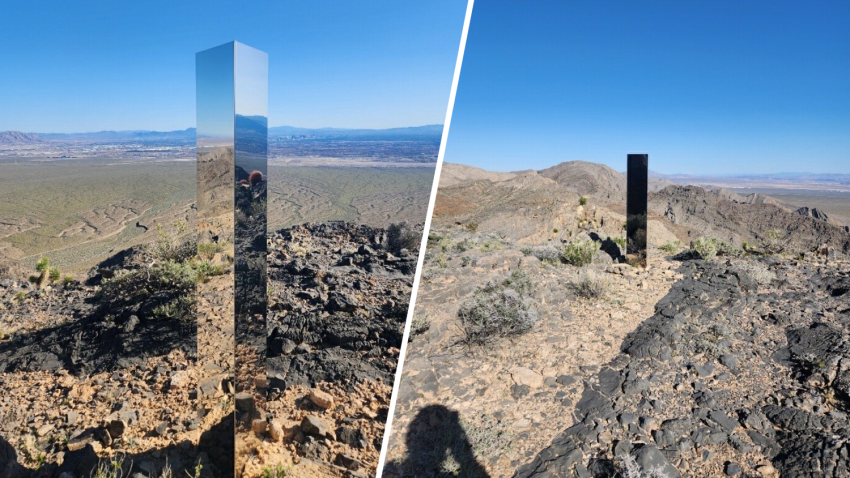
(437, 447)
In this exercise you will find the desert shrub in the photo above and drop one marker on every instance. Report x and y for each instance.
(582, 201)
(275, 471)
(710, 247)
(401, 236)
(419, 325)
(670, 247)
(489, 246)
(591, 284)
(442, 262)
(45, 272)
(112, 468)
(555, 230)
(620, 241)
(471, 226)
(579, 252)
(463, 245)
(20, 296)
(67, 280)
(206, 250)
(206, 269)
(172, 246)
(705, 247)
(499, 309)
(170, 284)
(758, 272)
(546, 253)
(772, 242)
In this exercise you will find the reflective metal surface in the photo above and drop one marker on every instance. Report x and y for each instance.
(250, 190)
(232, 170)
(636, 208)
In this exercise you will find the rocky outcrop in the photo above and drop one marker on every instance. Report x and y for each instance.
(727, 377)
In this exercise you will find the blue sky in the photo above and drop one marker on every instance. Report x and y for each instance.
(711, 87)
(95, 65)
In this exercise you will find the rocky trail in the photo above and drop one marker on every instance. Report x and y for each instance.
(338, 302)
(729, 377)
(509, 395)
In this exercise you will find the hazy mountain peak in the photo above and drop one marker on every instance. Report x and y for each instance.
(13, 138)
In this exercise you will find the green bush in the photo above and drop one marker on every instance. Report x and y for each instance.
(579, 252)
(207, 250)
(55, 275)
(206, 269)
(172, 283)
(705, 247)
(710, 247)
(582, 201)
(620, 241)
(43, 265)
(172, 246)
(67, 280)
(670, 247)
(499, 309)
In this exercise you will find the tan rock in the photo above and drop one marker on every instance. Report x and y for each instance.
(322, 399)
(767, 471)
(526, 376)
(276, 431)
(259, 426)
(180, 379)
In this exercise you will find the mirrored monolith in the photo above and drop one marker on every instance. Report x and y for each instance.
(232, 85)
(636, 208)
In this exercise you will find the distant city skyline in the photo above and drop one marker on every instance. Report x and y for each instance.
(704, 88)
(78, 68)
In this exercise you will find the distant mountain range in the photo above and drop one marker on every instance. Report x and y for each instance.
(797, 177)
(15, 138)
(422, 133)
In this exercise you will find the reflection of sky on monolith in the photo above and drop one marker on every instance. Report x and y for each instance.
(214, 94)
(215, 227)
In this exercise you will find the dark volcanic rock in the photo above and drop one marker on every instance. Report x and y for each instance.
(342, 297)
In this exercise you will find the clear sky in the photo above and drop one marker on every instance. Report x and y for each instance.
(703, 87)
(107, 65)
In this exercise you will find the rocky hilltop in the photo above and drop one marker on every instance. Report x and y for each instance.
(531, 205)
(536, 352)
(114, 371)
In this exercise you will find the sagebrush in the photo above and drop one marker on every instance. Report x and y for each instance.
(499, 309)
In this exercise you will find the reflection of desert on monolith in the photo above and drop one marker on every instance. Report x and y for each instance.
(215, 223)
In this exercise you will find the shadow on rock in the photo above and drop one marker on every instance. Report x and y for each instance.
(91, 345)
(214, 454)
(437, 446)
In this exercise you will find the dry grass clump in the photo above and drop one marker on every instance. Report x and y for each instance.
(591, 284)
(499, 309)
(758, 272)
